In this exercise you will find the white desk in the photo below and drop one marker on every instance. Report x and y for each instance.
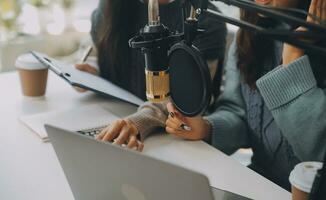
(29, 168)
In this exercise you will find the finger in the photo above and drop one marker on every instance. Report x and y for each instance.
(99, 136)
(312, 10)
(81, 90)
(319, 9)
(132, 126)
(114, 130)
(92, 70)
(172, 123)
(81, 66)
(86, 68)
(324, 11)
(171, 114)
(123, 136)
(177, 133)
(140, 146)
(177, 122)
(102, 133)
(170, 107)
(173, 111)
(132, 142)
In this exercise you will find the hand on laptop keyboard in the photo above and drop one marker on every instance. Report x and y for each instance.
(121, 132)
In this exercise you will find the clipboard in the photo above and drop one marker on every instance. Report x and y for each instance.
(86, 80)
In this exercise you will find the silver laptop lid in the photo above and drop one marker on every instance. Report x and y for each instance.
(102, 171)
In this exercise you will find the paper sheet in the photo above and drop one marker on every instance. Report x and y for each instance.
(74, 119)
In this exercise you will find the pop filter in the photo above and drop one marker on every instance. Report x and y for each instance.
(181, 72)
(190, 82)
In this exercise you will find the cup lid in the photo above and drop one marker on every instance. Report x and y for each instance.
(28, 62)
(303, 175)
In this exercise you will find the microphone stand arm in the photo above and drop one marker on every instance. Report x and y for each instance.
(300, 39)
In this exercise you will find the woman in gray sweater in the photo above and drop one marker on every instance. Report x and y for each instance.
(274, 102)
(280, 114)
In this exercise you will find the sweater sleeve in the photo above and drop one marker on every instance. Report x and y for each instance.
(229, 127)
(149, 117)
(298, 107)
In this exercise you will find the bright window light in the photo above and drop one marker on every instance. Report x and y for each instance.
(83, 25)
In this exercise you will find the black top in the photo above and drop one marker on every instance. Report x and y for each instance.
(211, 43)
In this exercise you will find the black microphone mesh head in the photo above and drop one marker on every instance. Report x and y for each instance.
(190, 84)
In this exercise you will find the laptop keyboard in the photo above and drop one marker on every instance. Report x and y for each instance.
(92, 132)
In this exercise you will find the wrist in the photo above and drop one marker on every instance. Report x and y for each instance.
(133, 127)
(291, 54)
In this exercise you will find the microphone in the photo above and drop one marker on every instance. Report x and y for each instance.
(154, 42)
(174, 68)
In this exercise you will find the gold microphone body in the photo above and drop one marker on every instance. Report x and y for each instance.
(157, 85)
(156, 56)
(154, 41)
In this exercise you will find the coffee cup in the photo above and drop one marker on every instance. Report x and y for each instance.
(33, 75)
(302, 178)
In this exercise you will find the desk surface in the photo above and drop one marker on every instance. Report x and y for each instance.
(29, 168)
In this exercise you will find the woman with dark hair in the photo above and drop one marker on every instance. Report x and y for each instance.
(114, 22)
(274, 100)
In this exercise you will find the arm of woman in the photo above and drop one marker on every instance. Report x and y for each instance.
(297, 104)
(96, 19)
(298, 107)
(149, 117)
(133, 130)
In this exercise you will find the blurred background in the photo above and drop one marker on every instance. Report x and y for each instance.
(40, 24)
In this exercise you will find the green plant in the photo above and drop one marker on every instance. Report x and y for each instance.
(9, 11)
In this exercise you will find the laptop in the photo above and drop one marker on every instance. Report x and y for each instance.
(102, 171)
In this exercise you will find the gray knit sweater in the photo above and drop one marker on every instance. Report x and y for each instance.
(297, 122)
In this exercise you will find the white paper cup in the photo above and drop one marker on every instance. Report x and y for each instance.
(302, 178)
(33, 75)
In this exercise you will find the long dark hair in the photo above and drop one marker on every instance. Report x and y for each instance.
(252, 49)
(116, 29)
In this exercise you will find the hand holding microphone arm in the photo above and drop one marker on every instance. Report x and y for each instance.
(299, 39)
(276, 13)
(314, 32)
